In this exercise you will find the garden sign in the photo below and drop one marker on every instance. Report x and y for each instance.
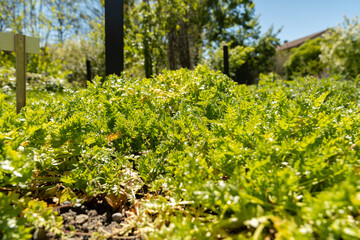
(21, 45)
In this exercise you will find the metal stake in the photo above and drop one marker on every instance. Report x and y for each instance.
(114, 37)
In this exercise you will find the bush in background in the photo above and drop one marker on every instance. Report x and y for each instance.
(237, 57)
(305, 60)
(337, 52)
(42, 72)
(246, 61)
(340, 48)
(74, 53)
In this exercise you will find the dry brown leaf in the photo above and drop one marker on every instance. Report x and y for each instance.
(116, 201)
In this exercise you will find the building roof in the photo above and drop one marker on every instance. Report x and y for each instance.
(298, 42)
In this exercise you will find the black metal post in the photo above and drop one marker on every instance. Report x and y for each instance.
(114, 37)
(226, 61)
(88, 70)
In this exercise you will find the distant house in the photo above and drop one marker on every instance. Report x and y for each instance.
(283, 52)
(300, 41)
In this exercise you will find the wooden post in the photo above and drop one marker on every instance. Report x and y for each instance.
(21, 45)
(20, 72)
(226, 61)
(88, 70)
(114, 37)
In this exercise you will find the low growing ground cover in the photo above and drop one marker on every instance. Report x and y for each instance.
(186, 155)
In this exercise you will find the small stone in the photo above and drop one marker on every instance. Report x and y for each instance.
(117, 217)
(80, 219)
(92, 213)
(40, 234)
(85, 226)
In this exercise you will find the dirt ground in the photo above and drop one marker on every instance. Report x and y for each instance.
(81, 222)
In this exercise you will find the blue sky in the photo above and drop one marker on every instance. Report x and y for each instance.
(299, 18)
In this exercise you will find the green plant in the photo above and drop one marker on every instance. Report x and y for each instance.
(339, 49)
(191, 154)
(246, 61)
(18, 214)
(305, 60)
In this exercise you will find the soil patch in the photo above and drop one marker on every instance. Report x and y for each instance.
(95, 216)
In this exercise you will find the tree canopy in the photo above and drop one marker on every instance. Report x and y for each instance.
(159, 34)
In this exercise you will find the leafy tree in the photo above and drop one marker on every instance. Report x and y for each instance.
(336, 52)
(65, 17)
(40, 18)
(237, 57)
(174, 33)
(209, 22)
(229, 20)
(305, 60)
(12, 15)
(340, 48)
(158, 34)
(144, 38)
(259, 60)
(247, 61)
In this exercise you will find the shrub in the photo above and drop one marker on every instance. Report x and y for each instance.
(19, 215)
(196, 155)
(247, 61)
(237, 57)
(305, 60)
(340, 48)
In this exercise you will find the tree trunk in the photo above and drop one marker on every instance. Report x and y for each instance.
(184, 49)
(172, 48)
(148, 60)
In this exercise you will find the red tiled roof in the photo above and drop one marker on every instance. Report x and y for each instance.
(299, 41)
